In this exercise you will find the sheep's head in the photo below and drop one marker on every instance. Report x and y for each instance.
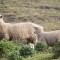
(1, 19)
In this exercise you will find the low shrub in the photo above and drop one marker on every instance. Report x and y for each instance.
(56, 50)
(26, 51)
(40, 46)
(6, 47)
(14, 55)
(50, 49)
(1, 51)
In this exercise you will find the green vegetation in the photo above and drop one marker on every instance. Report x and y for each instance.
(9, 50)
(40, 56)
(14, 56)
(6, 47)
(26, 51)
(12, 51)
(40, 46)
(56, 50)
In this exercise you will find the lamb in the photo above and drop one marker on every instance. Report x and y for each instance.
(50, 38)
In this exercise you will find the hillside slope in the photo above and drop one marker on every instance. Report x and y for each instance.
(43, 12)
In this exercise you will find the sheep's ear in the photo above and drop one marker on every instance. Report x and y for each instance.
(0, 16)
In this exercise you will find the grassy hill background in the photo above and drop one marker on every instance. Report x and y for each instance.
(42, 12)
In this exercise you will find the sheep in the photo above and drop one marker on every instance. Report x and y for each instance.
(24, 32)
(18, 31)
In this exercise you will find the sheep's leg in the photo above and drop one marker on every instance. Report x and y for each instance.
(45, 42)
(35, 40)
(31, 45)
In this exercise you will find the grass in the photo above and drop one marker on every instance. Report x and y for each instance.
(30, 10)
(3, 59)
(41, 56)
(38, 56)
(14, 47)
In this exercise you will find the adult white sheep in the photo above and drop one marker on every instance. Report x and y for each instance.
(24, 32)
(50, 38)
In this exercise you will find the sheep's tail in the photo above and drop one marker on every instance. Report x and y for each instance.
(38, 28)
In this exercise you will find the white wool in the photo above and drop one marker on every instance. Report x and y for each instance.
(50, 38)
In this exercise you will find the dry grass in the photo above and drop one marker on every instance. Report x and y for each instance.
(43, 12)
